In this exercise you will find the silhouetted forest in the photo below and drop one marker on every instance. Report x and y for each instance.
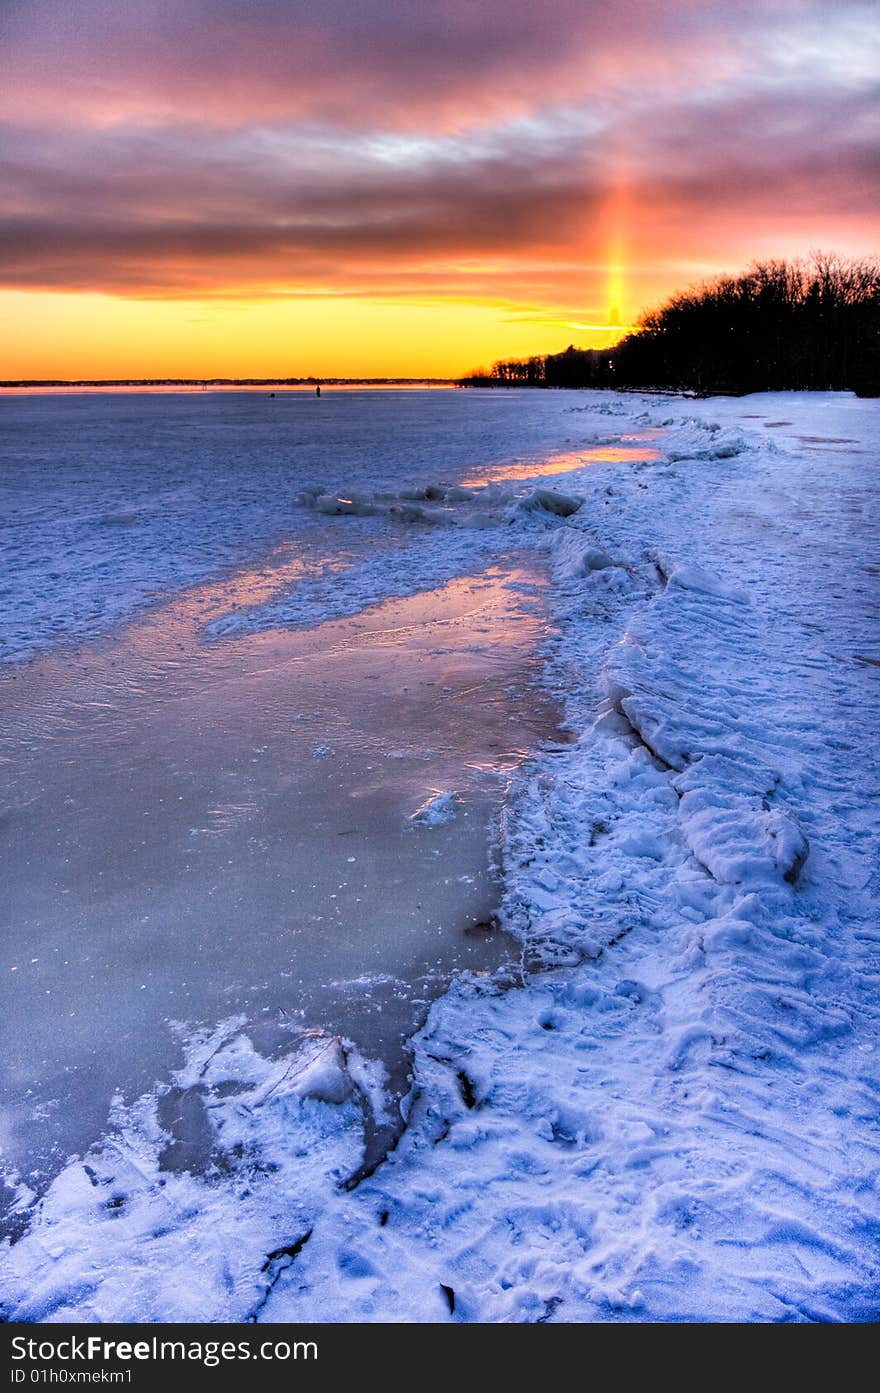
(781, 325)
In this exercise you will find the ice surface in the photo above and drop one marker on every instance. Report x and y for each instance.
(674, 1115)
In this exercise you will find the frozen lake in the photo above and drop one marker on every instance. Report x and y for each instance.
(266, 636)
(108, 500)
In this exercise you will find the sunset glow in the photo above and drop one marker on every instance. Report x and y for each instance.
(195, 189)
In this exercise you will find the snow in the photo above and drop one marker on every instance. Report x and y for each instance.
(669, 1110)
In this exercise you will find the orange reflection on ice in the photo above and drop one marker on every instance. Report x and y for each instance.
(162, 636)
(564, 463)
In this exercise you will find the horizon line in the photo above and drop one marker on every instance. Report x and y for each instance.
(7, 383)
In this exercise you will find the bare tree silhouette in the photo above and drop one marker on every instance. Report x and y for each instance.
(780, 325)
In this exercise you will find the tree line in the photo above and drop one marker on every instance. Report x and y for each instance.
(779, 326)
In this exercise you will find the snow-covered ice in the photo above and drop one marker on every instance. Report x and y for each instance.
(670, 1110)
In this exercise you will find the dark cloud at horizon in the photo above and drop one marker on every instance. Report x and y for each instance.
(388, 148)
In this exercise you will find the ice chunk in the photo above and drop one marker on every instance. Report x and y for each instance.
(560, 505)
(335, 505)
(411, 512)
(440, 808)
(325, 1077)
(693, 578)
(739, 845)
(577, 556)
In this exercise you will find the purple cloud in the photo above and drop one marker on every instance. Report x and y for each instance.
(394, 148)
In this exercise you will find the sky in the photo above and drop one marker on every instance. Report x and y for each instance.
(392, 187)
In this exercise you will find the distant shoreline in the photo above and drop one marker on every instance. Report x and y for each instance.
(208, 382)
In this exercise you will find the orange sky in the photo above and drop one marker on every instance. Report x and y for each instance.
(201, 189)
(93, 336)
